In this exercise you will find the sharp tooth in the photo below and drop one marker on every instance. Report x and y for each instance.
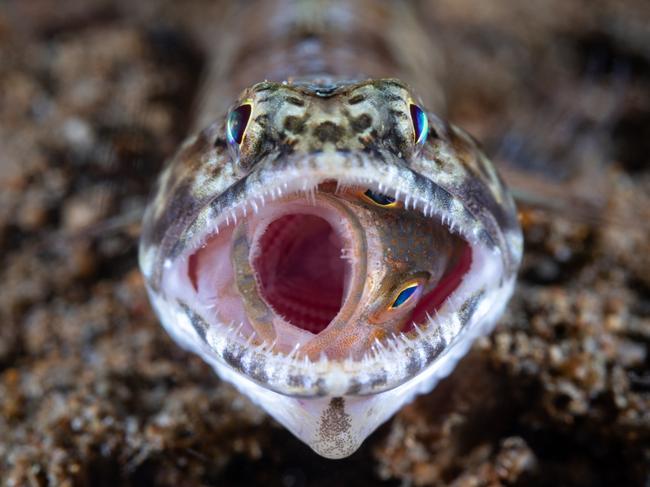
(438, 320)
(294, 351)
(365, 360)
(430, 320)
(392, 344)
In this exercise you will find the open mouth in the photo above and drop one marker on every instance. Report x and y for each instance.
(302, 284)
(303, 266)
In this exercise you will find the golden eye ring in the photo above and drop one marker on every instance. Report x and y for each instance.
(406, 294)
(379, 199)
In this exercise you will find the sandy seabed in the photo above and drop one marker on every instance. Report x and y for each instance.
(94, 95)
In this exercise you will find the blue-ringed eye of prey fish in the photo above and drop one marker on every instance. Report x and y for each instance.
(405, 295)
(237, 123)
(379, 199)
(347, 269)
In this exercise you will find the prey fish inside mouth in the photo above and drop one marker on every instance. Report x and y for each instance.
(331, 272)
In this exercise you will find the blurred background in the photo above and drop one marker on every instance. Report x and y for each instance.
(96, 94)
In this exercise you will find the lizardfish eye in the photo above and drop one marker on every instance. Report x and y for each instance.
(420, 124)
(405, 295)
(379, 199)
(237, 123)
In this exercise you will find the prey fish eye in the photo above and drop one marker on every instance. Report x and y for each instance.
(405, 295)
(379, 199)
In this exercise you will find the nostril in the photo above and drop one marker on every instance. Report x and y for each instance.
(300, 270)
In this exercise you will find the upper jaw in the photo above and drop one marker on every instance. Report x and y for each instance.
(278, 175)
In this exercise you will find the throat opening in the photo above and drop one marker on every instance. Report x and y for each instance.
(300, 269)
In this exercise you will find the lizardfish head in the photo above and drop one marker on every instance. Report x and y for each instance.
(332, 250)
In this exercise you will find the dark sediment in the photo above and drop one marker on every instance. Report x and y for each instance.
(94, 96)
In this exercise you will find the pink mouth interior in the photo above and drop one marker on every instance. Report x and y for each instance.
(300, 270)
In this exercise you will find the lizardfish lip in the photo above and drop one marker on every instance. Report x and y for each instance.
(431, 346)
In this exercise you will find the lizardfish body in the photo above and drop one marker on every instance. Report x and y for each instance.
(327, 244)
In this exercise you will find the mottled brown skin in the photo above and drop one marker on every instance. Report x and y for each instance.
(316, 116)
